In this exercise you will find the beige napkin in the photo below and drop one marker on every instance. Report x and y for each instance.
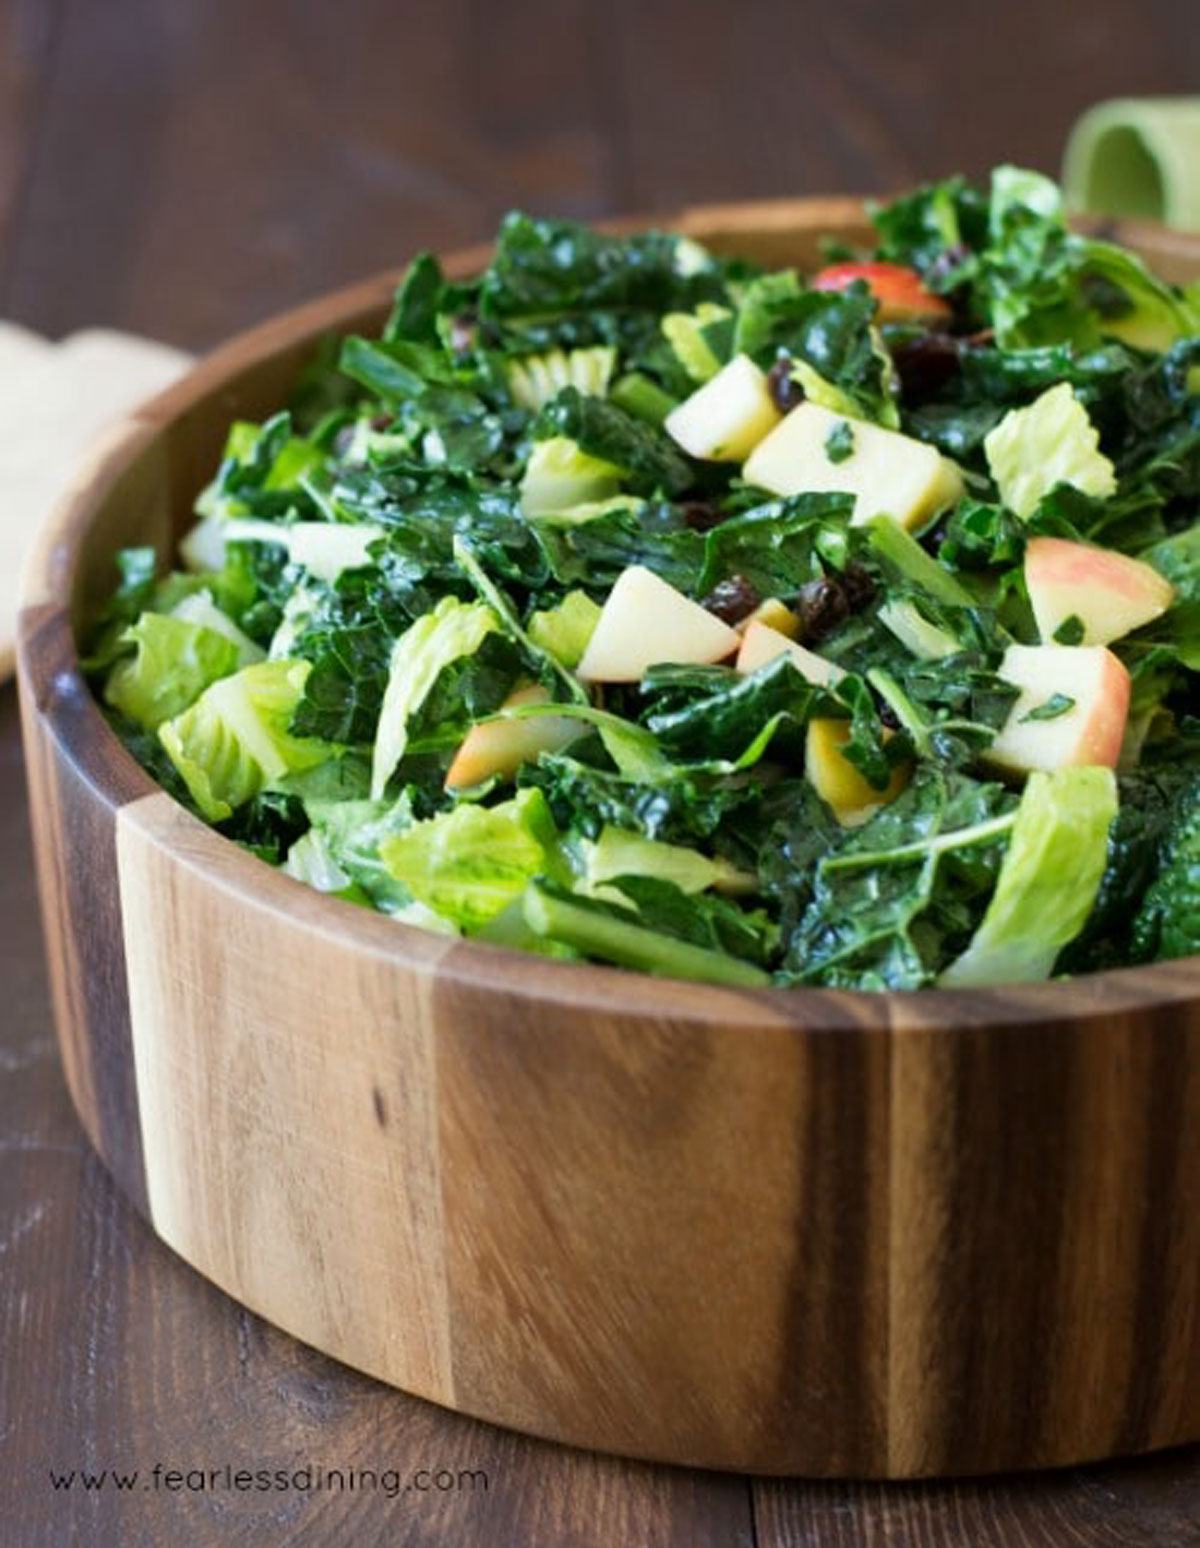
(54, 399)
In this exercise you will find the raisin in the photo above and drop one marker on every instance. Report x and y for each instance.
(701, 515)
(785, 391)
(732, 600)
(925, 364)
(825, 603)
(858, 586)
(821, 605)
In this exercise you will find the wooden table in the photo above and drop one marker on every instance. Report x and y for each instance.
(183, 169)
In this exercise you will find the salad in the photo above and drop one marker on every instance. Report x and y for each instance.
(635, 604)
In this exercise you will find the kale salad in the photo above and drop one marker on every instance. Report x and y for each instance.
(635, 604)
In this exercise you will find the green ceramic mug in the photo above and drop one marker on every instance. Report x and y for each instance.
(1137, 157)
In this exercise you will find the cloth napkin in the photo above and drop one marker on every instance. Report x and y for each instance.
(1139, 157)
(54, 399)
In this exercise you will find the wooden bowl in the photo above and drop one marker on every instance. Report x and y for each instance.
(779, 1231)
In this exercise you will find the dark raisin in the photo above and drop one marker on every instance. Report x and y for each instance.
(858, 586)
(732, 600)
(925, 364)
(382, 421)
(701, 515)
(825, 603)
(821, 605)
(887, 715)
(785, 391)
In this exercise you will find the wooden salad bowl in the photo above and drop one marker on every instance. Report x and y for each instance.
(780, 1231)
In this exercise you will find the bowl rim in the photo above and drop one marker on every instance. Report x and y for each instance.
(118, 779)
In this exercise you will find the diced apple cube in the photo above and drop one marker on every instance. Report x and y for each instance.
(725, 419)
(644, 620)
(887, 473)
(836, 780)
(896, 287)
(774, 613)
(1108, 592)
(1071, 709)
(500, 747)
(761, 643)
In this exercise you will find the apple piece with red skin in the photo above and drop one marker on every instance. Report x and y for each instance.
(1090, 726)
(645, 620)
(1108, 592)
(761, 643)
(899, 291)
(500, 747)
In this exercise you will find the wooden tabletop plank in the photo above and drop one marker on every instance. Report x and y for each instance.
(1147, 1502)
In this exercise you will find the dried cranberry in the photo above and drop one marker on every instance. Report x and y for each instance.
(925, 364)
(701, 515)
(732, 600)
(785, 391)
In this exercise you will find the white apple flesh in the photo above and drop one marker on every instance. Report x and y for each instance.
(725, 419)
(1088, 730)
(761, 643)
(500, 747)
(645, 621)
(886, 472)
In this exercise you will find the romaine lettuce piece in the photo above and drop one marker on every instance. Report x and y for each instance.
(310, 860)
(1052, 441)
(618, 852)
(700, 340)
(565, 630)
(470, 863)
(352, 831)
(535, 379)
(173, 663)
(326, 549)
(599, 931)
(453, 629)
(199, 608)
(235, 740)
(1048, 880)
(559, 476)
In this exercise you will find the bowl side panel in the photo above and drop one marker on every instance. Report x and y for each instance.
(78, 778)
(670, 1234)
(1044, 1287)
(287, 1095)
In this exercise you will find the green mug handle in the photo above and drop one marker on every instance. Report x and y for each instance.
(1137, 157)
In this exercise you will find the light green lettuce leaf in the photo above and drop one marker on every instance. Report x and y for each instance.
(199, 608)
(1048, 879)
(1051, 441)
(452, 630)
(174, 661)
(471, 863)
(234, 740)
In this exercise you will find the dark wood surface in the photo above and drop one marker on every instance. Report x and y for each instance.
(183, 168)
